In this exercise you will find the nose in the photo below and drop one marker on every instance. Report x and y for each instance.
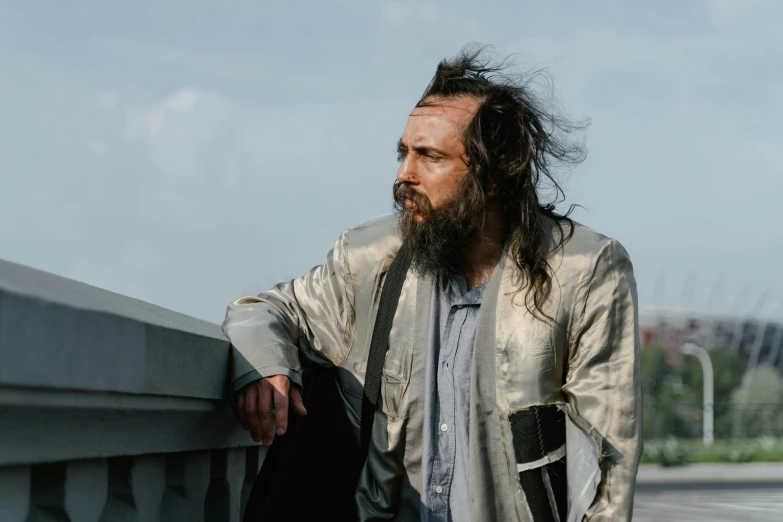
(407, 172)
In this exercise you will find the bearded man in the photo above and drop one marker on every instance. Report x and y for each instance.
(511, 388)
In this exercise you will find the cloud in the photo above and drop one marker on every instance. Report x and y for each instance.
(425, 26)
(156, 196)
(399, 13)
(169, 158)
(184, 100)
(108, 101)
(411, 16)
(724, 12)
(96, 147)
(235, 66)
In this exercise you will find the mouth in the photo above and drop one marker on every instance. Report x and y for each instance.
(409, 203)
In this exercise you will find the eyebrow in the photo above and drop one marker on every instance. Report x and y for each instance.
(420, 149)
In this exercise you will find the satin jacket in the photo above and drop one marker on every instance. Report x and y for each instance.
(586, 362)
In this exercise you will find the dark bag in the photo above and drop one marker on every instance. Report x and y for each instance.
(312, 471)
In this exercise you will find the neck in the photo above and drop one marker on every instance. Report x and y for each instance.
(481, 255)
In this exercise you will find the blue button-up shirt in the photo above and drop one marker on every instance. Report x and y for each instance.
(447, 403)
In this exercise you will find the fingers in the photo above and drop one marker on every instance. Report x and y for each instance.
(280, 385)
(265, 411)
(251, 410)
(263, 405)
(295, 397)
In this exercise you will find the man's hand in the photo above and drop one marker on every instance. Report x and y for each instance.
(260, 400)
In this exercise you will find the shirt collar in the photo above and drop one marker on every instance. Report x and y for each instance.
(454, 288)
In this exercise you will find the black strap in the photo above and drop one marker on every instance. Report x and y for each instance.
(379, 345)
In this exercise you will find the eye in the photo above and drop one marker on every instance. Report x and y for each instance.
(401, 155)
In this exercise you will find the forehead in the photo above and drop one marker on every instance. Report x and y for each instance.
(441, 119)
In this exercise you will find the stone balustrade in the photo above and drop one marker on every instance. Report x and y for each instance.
(112, 409)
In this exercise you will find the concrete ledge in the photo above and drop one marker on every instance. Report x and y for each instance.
(48, 426)
(63, 334)
(696, 475)
(86, 374)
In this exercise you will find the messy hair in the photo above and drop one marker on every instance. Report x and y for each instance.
(514, 145)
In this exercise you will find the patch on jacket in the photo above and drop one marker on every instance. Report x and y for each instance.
(537, 432)
(539, 439)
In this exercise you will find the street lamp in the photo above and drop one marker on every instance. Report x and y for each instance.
(706, 367)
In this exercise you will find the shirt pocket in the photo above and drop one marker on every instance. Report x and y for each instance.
(391, 394)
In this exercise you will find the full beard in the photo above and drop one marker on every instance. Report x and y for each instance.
(436, 243)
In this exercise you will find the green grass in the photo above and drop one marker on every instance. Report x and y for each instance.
(677, 452)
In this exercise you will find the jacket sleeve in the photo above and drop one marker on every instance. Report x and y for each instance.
(603, 384)
(309, 319)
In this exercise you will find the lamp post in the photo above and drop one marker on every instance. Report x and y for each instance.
(706, 367)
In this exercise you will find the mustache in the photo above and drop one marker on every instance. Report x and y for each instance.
(403, 192)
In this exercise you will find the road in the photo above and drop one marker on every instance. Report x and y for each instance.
(714, 502)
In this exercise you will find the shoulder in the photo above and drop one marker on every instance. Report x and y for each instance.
(587, 254)
(592, 244)
(375, 239)
(378, 232)
(370, 246)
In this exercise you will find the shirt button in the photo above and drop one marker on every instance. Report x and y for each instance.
(444, 427)
(438, 489)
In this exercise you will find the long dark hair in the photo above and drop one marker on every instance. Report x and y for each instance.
(513, 144)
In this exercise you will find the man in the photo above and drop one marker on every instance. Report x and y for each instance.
(511, 388)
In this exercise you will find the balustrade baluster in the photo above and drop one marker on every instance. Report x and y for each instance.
(148, 479)
(120, 505)
(47, 493)
(235, 475)
(14, 493)
(86, 489)
(216, 504)
(251, 471)
(187, 479)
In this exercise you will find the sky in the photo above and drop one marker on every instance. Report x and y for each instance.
(187, 153)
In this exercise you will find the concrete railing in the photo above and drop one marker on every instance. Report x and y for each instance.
(113, 409)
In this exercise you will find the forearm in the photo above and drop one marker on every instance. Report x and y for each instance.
(260, 345)
(307, 320)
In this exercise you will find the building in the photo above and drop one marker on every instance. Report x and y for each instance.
(759, 341)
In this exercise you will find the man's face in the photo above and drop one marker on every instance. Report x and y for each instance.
(433, 154)
(441, 209)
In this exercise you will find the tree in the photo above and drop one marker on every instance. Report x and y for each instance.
(728, 369)
(658, 397)
(673, 396)
(757, 405)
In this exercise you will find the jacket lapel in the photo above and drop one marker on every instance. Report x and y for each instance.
(489, 481)
(416, 388)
